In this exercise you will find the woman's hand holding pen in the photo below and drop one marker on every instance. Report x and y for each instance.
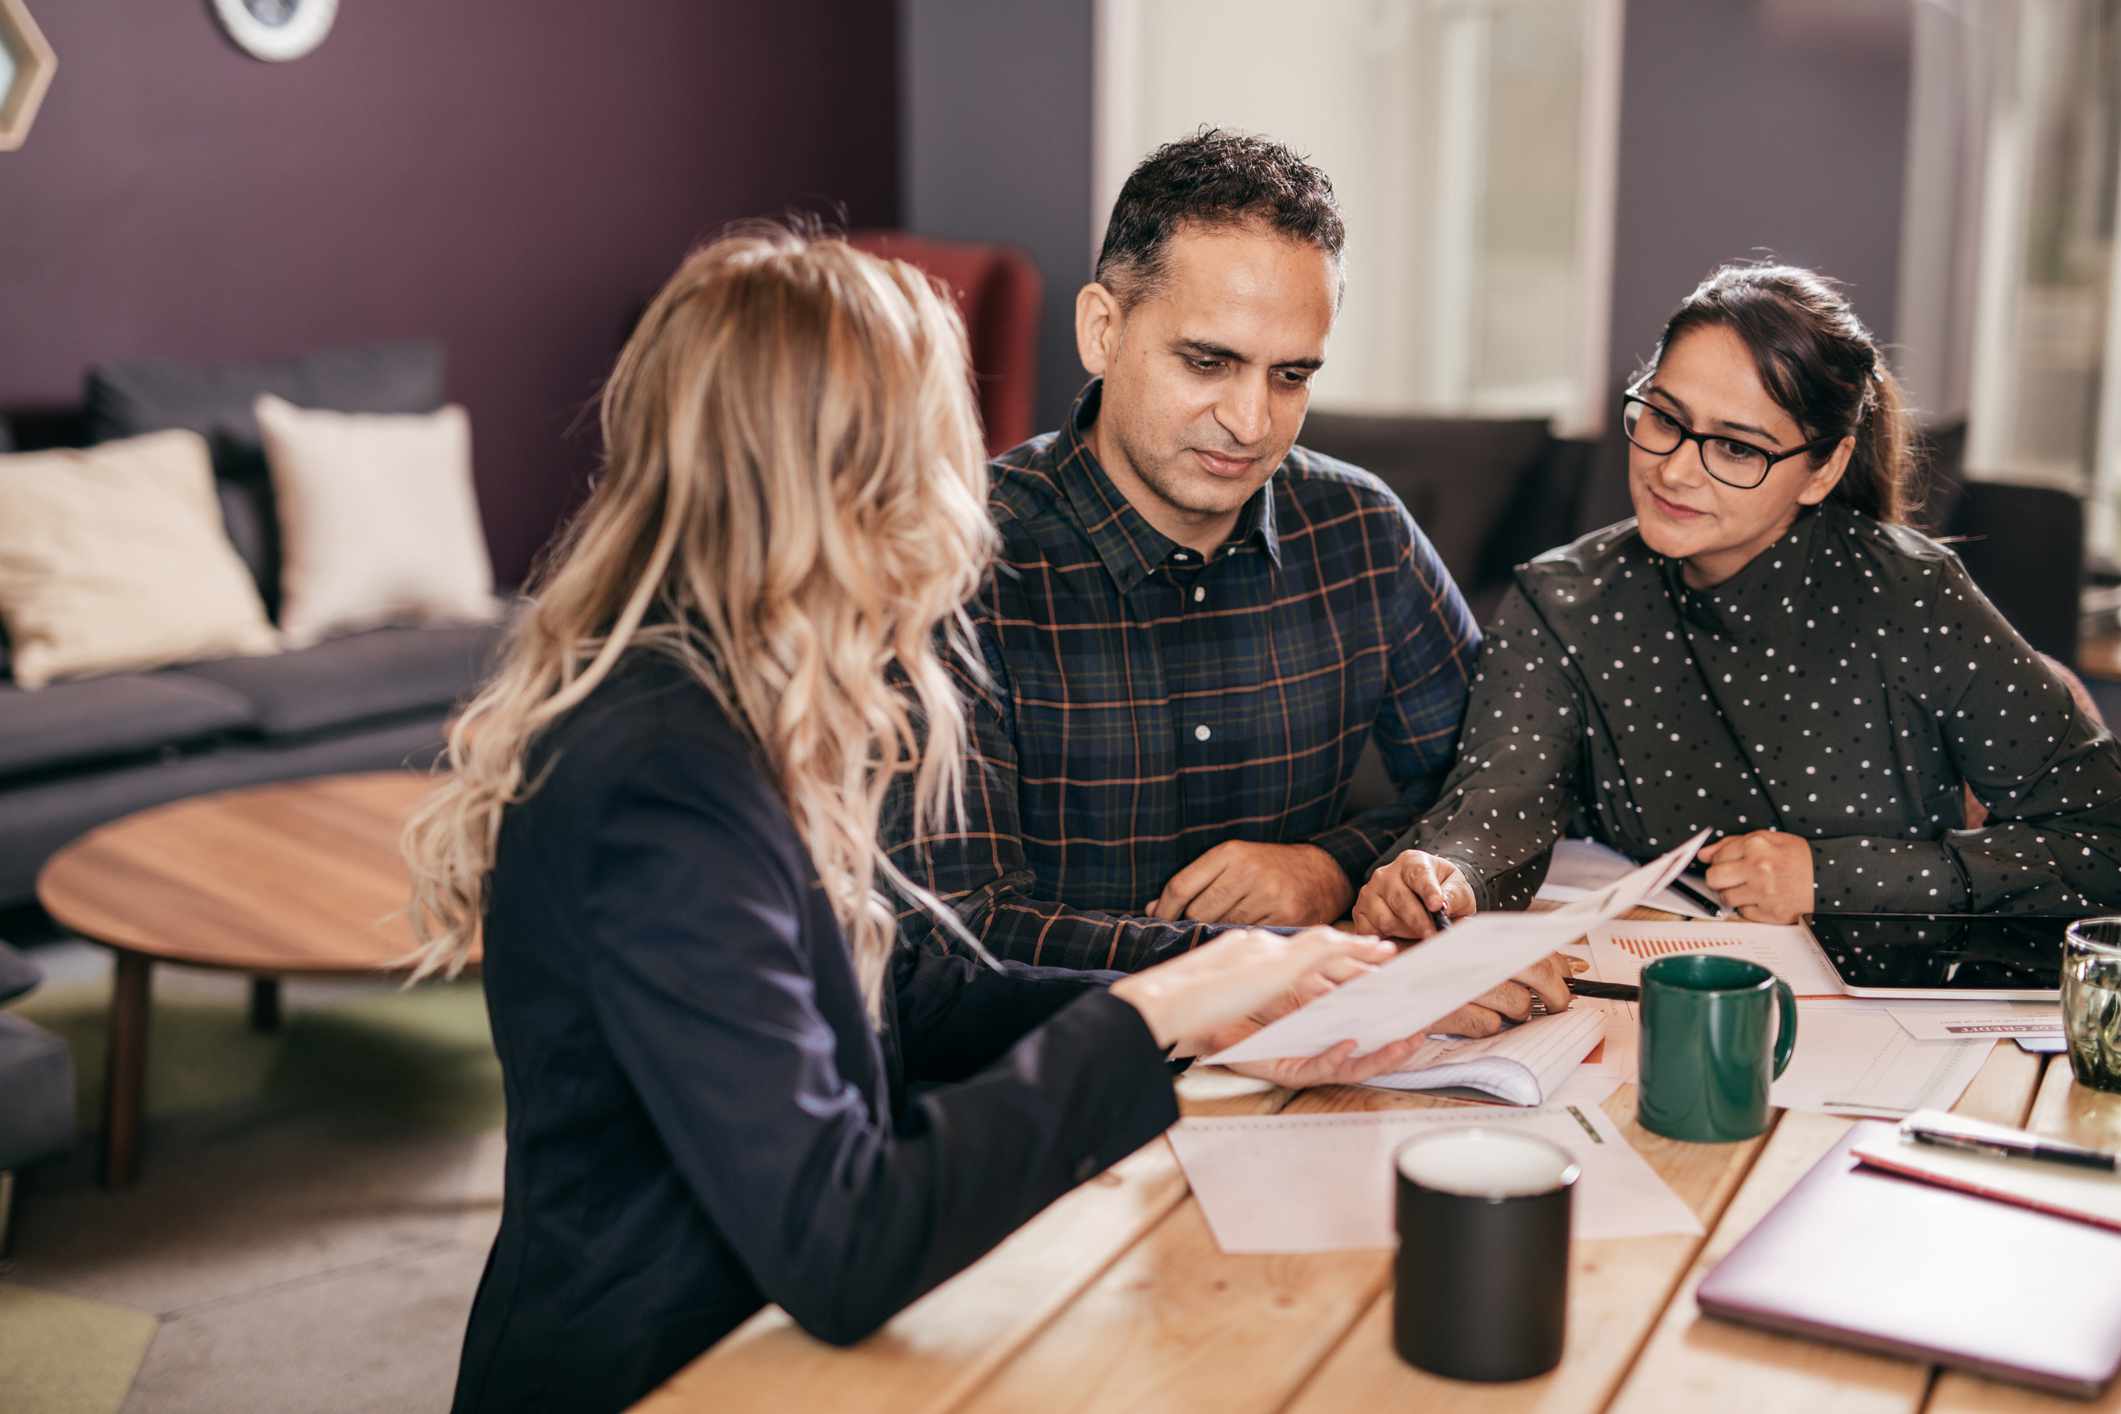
(1414, 896)
(1408, 892)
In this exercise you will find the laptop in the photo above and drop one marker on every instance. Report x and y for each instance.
(1858, 1257)
(1955, 956)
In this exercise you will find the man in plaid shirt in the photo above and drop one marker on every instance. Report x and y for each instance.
(1194, 625)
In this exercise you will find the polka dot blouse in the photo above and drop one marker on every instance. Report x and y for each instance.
(1866, 678)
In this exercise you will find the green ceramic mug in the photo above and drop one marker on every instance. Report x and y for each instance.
(1706, 1025)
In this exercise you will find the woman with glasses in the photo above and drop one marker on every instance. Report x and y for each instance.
(1768, 650)
(661, 815)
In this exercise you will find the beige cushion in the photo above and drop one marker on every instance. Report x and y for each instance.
(378, 521)
(114, 558)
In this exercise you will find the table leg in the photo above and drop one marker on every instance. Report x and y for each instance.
(125, 1076)
(265, 1004)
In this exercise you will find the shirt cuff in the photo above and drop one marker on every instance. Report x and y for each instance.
(1483, 890)
(1878, 874)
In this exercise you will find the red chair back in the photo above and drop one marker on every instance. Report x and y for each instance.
(997, 290)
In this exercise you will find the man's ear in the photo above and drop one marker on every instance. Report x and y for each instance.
(1822, 481)
(1098, 318)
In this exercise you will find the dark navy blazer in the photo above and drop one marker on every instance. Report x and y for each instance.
(702, 1118)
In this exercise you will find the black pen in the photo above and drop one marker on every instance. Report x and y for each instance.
(1438, 919)
(1685, 890)
(1605, 991)
(2013, 1147)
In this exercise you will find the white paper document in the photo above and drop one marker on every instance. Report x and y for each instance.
(1619, 951)
(1853, 1058)
(1588, 1086)
(1622, 1024)
(1580, 868)
(1961, 1021)
(1432, 979)
(1524, 1065)
(1316, 1183)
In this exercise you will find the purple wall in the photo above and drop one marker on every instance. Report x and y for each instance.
(1777, 127)
(514, 186)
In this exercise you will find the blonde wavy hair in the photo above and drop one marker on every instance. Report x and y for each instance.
(793, 506)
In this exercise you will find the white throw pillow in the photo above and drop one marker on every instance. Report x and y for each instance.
(114, 558)
(378, 520)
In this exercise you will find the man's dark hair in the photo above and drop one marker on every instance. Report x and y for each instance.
(1213, 178)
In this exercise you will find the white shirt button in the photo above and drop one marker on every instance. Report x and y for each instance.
(1181, 556)
(1199, 594)
(1201, 732)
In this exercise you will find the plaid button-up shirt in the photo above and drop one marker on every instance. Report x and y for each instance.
(1147, 705)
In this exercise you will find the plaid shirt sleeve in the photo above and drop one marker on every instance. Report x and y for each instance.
(1434, 644)
(978, 866)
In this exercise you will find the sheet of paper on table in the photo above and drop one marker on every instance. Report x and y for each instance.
(1317, 1183)
(1580, 868)
(1947, 1021)
(1523, 1065)
(1853, 1058)
(1429, 981)
(1619, 951)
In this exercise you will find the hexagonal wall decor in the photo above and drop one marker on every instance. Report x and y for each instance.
(26, 65)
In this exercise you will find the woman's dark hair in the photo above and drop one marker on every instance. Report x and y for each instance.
(1822, 367)
(1215, 178)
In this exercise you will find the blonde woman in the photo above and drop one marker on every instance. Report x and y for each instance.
(663, 814)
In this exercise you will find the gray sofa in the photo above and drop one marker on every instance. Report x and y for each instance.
(36, 1088)
(76, 754)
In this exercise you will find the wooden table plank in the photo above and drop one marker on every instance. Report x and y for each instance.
(1177, 1323)
(1694, 1362)
(937, 1351)
(1617, 1290)
(2066, 1110)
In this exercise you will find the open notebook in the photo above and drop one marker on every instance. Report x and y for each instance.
(1523, 1065)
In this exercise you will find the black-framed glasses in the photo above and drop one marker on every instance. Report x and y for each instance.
(1731, 460)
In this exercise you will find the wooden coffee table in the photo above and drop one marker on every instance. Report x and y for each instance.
(300, 878)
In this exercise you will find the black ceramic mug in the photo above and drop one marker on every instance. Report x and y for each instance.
(1481, 1287)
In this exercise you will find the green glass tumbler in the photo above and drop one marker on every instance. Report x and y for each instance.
(1707, 1062)
(2091, 1001)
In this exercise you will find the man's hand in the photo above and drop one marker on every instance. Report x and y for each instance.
(1765, 875)
(1399, 897)
(1510, 1003)
(1239, 881)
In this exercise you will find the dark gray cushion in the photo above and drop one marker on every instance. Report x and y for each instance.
(387, 672)
(36, 1094)
(120, 715)
(17, 974)
(42, 816)
(1459, 476)
(7, 444)
(215, 400)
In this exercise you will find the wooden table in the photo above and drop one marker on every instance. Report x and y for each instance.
(302, 877)
(1117, 1297)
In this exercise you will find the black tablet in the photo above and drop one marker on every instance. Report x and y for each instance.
(1931, 955)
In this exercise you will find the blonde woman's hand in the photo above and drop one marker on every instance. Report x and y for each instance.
(1197, 996)
(1399, 896)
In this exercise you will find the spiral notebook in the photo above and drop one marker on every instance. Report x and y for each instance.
(1524, 1065)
